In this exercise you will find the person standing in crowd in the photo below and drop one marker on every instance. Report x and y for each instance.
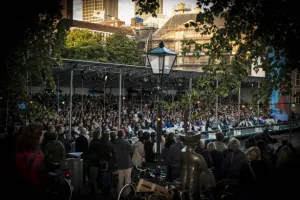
(219, 143)
(62, 137)
(94, 157)
(173, 158)
(123, 150)
(82, 145)
(234, 160)
(113, 136)
(31, 173)
(200, 149)
(55, 152)
(217, 158)
(48, 135)
(138, 156)
(148, 146)
(107, 161)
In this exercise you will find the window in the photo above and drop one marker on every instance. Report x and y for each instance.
(297, 79)
(297, 98)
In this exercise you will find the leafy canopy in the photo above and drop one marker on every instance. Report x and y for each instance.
(121, 49)
(33, 35)
(251, 28)
(82, 44)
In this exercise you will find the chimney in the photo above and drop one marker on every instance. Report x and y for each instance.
(197, 10)
(180, 8)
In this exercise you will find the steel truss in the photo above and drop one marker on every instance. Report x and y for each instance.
(118, 69)
(130, 70)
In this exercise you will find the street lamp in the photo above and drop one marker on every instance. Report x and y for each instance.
(161, 61)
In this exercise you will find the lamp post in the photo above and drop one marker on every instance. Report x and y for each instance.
(161, 61)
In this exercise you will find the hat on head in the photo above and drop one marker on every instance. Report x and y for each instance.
(191, 137)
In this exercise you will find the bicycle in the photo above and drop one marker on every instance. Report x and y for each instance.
(128, 192)
(177, 193)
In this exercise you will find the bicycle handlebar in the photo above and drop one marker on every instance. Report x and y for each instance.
(141, 170)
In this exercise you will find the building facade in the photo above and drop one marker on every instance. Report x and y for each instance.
(93, 11)
(174, 32)
(104, 30)
(144, 16)
(295, 100)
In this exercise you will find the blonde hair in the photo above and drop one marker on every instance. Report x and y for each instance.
(211, 146)
(234, 144)
(253, 153)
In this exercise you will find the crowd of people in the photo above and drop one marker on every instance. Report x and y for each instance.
(107, 149)
(249, 169)
(90, 111)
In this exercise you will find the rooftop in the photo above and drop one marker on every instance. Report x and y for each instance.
(69, 23)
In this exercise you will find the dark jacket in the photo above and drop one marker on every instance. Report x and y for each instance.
(99, 151)
(173, 157)
(123, 149)
(217, 158)
(82, 145)
(206, 155)
(233, 163)
(149, 155)
(65, 141)
(55, 151)
(254, 185)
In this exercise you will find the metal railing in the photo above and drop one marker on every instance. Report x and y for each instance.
(241, 132)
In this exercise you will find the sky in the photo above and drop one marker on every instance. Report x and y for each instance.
(126, 8)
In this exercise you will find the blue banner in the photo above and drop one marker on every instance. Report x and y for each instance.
(279, 102)
(138, 20)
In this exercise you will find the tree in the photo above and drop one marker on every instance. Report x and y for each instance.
(33, 35)
(121, 49)
(82, 37)
(253, 28)
(82, 44)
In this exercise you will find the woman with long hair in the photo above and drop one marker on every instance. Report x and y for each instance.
(31, 174)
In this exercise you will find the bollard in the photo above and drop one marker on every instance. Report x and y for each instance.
(75, 163)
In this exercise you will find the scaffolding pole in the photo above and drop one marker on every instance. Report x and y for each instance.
(120, 101)
(70, 105)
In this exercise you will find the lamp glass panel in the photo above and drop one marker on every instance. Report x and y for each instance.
(156, 63)
(169, 61)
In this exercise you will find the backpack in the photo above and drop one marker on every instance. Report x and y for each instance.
(27, 166)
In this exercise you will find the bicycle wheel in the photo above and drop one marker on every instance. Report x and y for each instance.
(127, 192)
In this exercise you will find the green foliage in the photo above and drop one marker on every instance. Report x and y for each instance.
(82, 44)
(250, 28)
(32, 37)
(121, 49)
(82, 38)
(91, 53)
(147, 6)
(35, 111)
